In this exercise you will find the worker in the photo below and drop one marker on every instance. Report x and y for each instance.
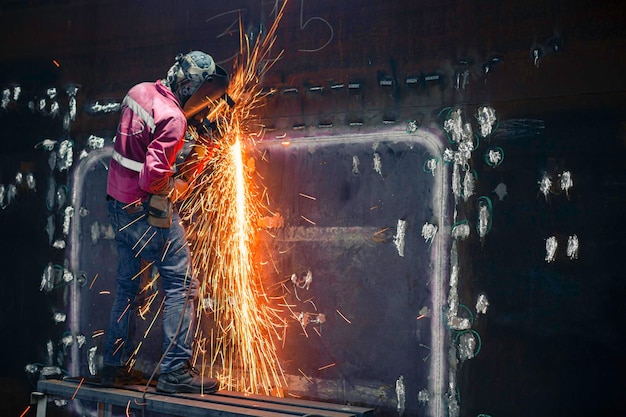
(141, 190)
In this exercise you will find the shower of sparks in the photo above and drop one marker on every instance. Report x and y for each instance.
(221, 214)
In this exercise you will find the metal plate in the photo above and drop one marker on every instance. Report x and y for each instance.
(367, 328)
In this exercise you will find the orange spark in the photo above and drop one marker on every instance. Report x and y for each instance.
(123, 312)
(118, 347)
(145, 244)
(78, 387)
(131, 361)
(154, 319)
(150, 284)
(25, 411)
(305, 375)
(282, 251)
(307, 196)
(133, 222)
(145, 309)
(326, 366)
(308, 220)
(141, 238)
(142, 270)
(343, 317)
(93, 281)
(167, 248)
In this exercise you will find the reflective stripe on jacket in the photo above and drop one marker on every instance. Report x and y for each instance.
(150, 131)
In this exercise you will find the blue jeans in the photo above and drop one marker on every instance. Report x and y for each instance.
(168, 249)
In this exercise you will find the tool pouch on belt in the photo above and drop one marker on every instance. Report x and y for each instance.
(160, 211)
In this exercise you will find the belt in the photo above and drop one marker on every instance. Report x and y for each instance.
(130, 208)
(134, 208)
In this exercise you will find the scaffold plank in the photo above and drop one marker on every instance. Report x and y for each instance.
(221, 404)
(319, 405)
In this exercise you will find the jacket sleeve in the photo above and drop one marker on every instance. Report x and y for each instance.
(161, 154)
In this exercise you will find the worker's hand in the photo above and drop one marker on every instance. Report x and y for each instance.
(180, 190)
(195, 162)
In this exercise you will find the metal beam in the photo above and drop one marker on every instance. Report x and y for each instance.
(321, 407)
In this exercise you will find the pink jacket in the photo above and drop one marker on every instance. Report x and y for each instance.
(150, 132)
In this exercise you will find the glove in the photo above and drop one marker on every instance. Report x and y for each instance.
(195, 162)
(180, 190)
(160, 205)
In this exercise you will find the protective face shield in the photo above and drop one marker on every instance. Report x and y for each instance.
(213, 88)
(196, 80)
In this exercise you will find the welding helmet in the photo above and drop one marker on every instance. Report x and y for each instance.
(196, 80)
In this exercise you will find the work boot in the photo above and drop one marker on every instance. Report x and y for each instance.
(186, 379)
(118, 376)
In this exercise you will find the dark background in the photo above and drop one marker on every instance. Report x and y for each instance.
(552, 338)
